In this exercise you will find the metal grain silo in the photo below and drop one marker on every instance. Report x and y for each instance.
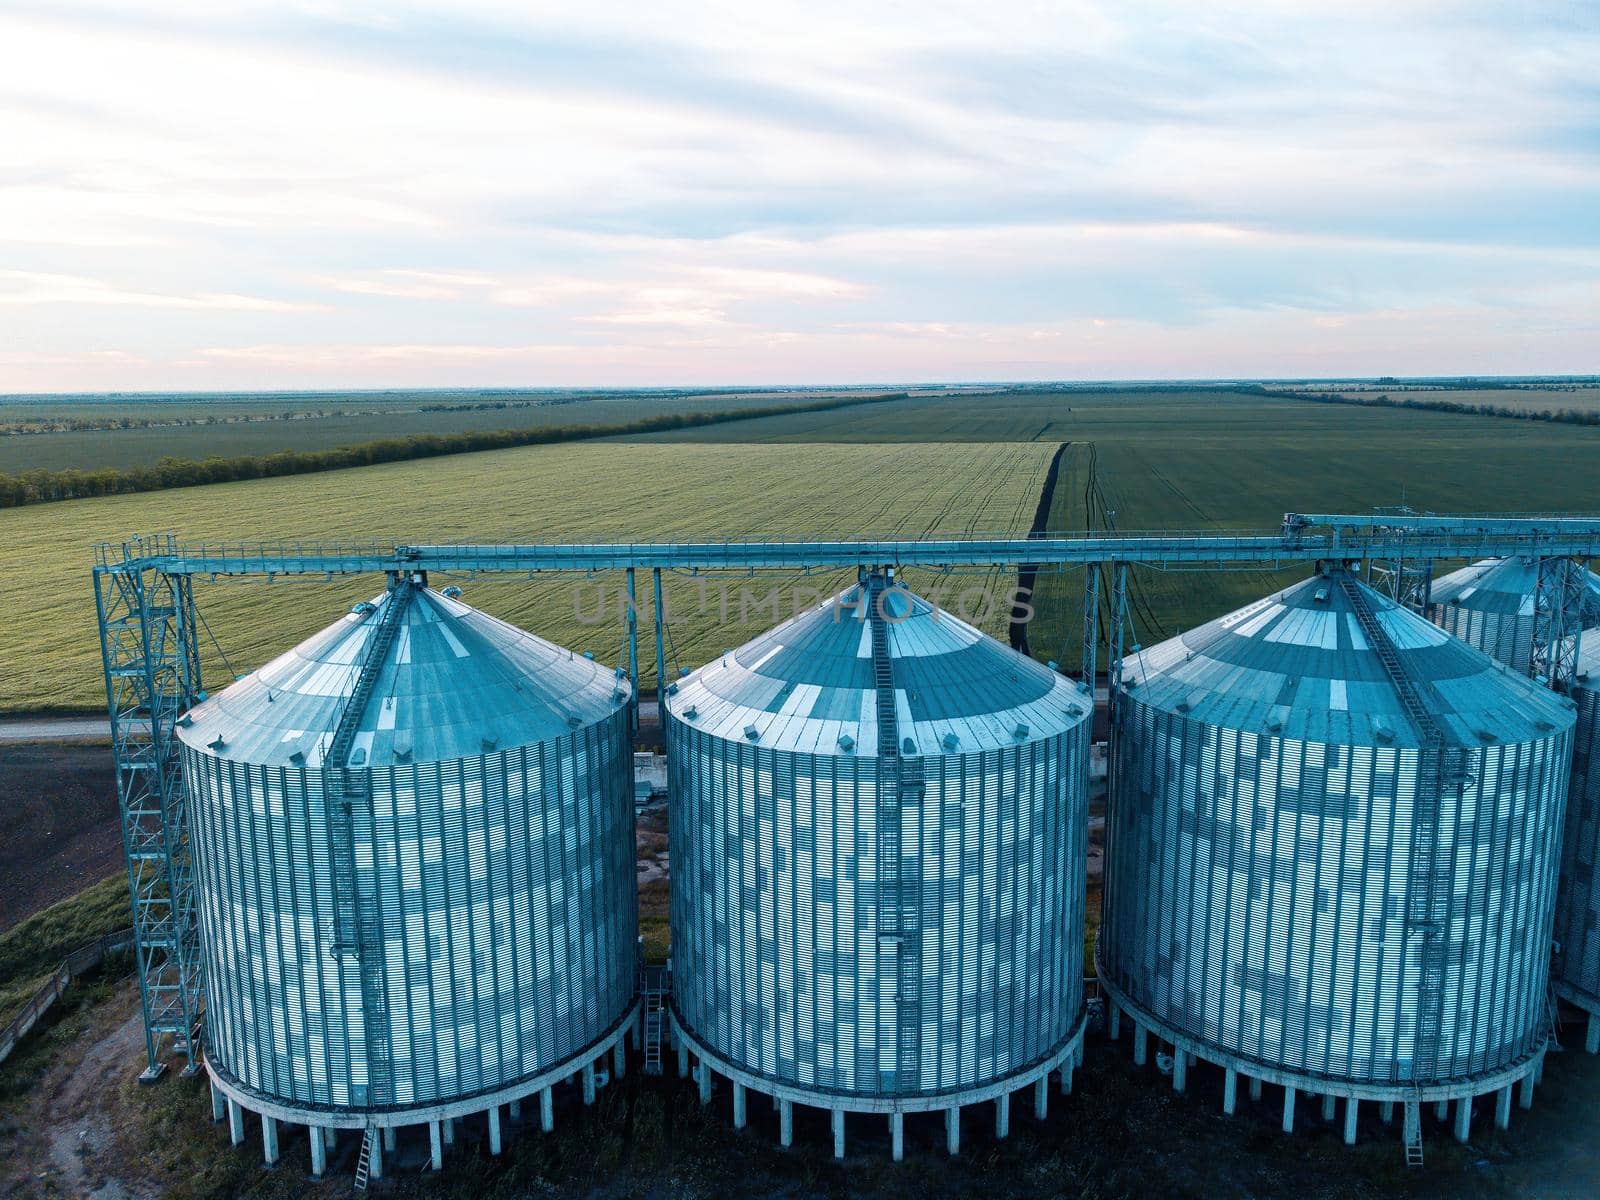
(415, 872)
(1576, 964)
(1332, 849)
(1490, 605)
(878, 856)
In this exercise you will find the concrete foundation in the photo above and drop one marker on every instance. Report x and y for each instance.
(785, 1097)
(231, 1100)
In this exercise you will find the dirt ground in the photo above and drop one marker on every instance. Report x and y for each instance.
(61, 829)
(82, 1126)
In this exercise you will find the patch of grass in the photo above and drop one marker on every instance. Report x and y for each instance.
(581, 491)
(34, 948)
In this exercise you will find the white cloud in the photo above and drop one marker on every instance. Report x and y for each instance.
(783, 182)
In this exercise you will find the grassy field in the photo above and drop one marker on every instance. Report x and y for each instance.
(231, 427)
(603, 491)
(32, 950)
(1225, 460)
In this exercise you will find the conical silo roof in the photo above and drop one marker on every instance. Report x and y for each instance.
(1506, 587)
(809, 685)
(1298, 665)
(453, 682)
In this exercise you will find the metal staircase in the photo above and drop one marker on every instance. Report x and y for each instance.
(1430, 882)
(358, 915)
(901, 786)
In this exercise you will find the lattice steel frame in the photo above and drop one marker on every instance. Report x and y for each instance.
(1558, 622)
(151, 660)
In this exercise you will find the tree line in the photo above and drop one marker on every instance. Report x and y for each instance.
(1563, 416)
(45, 486)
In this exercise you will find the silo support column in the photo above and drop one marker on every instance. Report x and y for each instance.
(1066, 1077)
(1255, 1088)
(1352, 1114)
(703, 1078)
(330, 1137)
(388, 1138)
(1591, 1039)
(1180, 1070)
(1288, 1110)
(619, 1059)
(1386, 1111)
(738, 1105)
(897, 1135)
(449, 1131)
(516, 1110)
(1041, 1098)
(1441, 1111)
(1139, 1039)
(375, 1164)
(269, 1140)
(1230, 1091)
(1002, 1115)
(785, 1123)
(1115, 1027)
(1525, 1092)
(588, 1083)
(235, 1122)
(547, 1110)
(1463, 1119)
(838, 1133)
(494, 1130)
(319, 1152)
(683, 1059)
(1502, 1108)
(952, 1130)
(435, 1146)
(219, 1103)
(1538, 1068)
(1328, 1102)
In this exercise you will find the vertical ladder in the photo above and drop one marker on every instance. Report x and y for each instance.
(653, 990)
(358, 912)
(900, 786)
(1430, 883)
(1552, 1016)
(1413, 1131)
(364, 1163)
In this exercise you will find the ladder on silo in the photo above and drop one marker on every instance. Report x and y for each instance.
(1430, 881)
(358, 916)
(1413, 1131)
(364, 1162)
(653, 993)
(901, 787)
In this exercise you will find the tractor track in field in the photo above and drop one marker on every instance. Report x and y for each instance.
(1027, 573)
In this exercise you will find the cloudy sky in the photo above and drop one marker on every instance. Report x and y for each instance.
(204, 195)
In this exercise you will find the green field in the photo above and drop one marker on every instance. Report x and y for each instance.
(1211, 460)
(580, 491)
(236, 427)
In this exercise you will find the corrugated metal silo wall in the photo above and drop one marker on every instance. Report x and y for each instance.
(1504, 637)
(1256, 896)
(777, 965)
(1578, 909)
(509, 919)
